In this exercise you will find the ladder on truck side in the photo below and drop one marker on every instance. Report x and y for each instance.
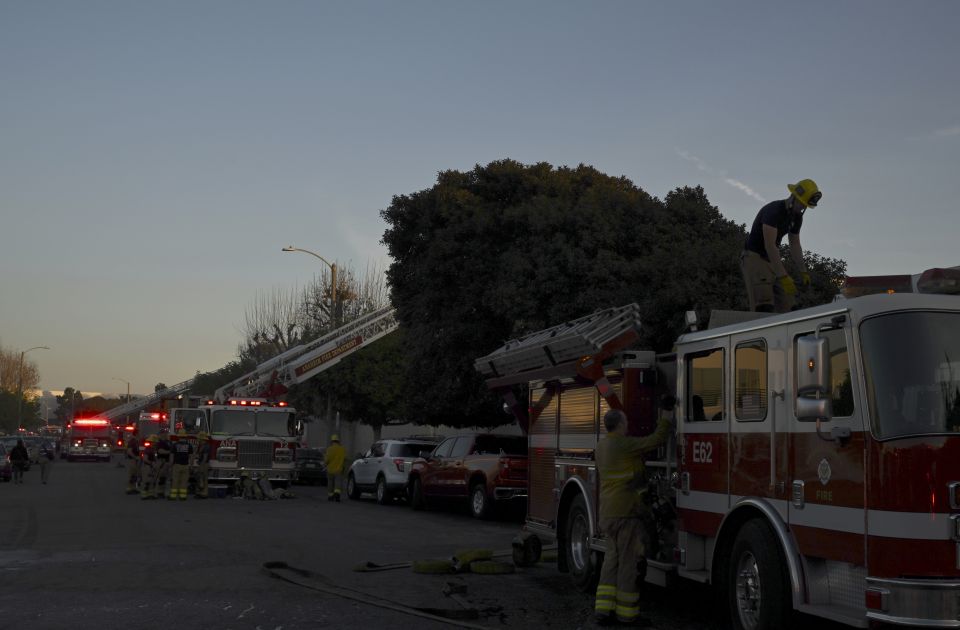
(576, 348)
(305, 361)
(138, 405)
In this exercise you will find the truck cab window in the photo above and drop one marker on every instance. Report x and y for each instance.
(750, 367)
(705, 386)
(841, 387)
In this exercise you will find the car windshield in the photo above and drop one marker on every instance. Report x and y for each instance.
(500, 445)
(242, 422)
(410, 449)
(912, 367)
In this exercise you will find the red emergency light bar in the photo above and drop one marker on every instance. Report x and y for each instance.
(939, 281)
(98, 422)
(129, 428)
(245, 403)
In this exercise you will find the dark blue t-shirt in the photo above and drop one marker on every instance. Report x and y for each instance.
(775, 214)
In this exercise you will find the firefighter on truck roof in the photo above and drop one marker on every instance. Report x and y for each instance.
(625, 517)
(769, 287)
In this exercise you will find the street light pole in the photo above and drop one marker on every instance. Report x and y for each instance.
(128, 386)
(333, 272)
(20, 385)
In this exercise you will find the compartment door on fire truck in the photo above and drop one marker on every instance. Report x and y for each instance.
(826, 507)
(703, 414)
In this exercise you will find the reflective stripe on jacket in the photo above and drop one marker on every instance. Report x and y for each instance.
(622, 472)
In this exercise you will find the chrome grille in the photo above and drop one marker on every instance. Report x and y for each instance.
(255, 454)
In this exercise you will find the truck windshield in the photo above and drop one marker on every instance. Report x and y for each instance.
(236, 422)
(912, 366)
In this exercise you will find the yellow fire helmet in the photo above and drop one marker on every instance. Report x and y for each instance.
(203, 435)
(181, 431)
(334, 438)
(806, 192)
(152, 437)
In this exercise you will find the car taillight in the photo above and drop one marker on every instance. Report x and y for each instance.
(399, 463)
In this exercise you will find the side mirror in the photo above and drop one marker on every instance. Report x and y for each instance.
(813, 366)
(811, 409)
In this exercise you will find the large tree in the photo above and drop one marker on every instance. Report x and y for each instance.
(505, 249)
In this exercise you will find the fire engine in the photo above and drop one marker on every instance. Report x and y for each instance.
(255, 435)
(149, 423)
(815, 465)
(88, 438)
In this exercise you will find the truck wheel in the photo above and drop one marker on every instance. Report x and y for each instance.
(417, 500)
(479, 501)
(758, 590)
(583, 562)
(383, 496)
(352, 490)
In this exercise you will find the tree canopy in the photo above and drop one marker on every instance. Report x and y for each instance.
(506, 249)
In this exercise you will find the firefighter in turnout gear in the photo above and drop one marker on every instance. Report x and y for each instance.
(181, 452)
(333, 459)
(164, 451)
(203, 466)
(133, 464)
(624, 516)
(149, 470)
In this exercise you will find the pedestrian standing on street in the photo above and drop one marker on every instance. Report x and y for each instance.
(19, 458)
(625, 517)
(333, 459)
(47, 455)
(203, 466)
(164, 451)
(150, 469)
(133, 464)
(182, 452)
(769, 287)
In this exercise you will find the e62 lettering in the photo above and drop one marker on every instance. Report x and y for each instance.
(702, 452)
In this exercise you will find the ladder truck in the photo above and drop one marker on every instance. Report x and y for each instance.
(815, 465)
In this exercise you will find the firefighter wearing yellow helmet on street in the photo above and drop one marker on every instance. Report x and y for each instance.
(624, 516)
(181, 453)
(333, 459)
(203, 465)
(150, 469)
(769, 287)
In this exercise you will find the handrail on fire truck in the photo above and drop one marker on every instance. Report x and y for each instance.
(305, 361)
(138, 405)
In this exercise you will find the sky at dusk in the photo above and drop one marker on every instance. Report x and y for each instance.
(156, 156)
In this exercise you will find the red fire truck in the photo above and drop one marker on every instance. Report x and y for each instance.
(255, 435)
(88, 438)
(816, 461)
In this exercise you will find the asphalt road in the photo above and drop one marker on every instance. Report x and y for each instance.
(79, 553)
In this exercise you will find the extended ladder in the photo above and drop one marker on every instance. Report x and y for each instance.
(138, 405)
(305, 361)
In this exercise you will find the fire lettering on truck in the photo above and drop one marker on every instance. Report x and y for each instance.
(702, 452)
(328, 356)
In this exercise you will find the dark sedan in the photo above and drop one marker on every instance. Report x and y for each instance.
(308, 466)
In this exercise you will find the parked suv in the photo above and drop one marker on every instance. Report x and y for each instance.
(482, 469)
(383, 468)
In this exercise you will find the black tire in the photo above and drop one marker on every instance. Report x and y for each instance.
(380, 492)
(481, 505)
(582, 562)
(758, 589)
(352, 490)
(417, 500)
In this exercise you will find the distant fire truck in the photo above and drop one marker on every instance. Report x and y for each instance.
(816, 461)
(149, 423)
(88, 438)
(254, 435)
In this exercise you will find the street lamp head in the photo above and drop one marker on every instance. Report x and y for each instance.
(289, 248)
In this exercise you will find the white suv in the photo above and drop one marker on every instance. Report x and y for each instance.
(383, 469)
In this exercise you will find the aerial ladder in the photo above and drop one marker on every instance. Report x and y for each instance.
(303, 362)
(139, 404)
